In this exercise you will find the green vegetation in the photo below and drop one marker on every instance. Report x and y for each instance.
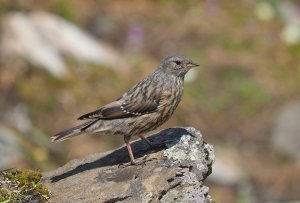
(22, 185)
(66, 10)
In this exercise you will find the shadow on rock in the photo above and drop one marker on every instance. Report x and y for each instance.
(120, 156)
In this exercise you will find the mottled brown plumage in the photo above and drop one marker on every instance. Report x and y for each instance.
(143, 108)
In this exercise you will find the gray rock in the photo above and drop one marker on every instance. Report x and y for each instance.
(73, 41)
(172, 173)
(227, 169)
(18, 117)
(44, 39)
(9, 147)
(21, 39)
(286, 132)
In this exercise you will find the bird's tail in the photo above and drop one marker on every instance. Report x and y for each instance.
(77, 130)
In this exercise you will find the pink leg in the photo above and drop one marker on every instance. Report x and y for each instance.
(132, 160)
(130, 153)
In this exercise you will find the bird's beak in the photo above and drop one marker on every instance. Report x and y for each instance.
(192, 64)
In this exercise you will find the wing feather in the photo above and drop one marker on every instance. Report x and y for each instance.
(125, 108)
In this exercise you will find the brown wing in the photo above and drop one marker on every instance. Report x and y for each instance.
(124, 108)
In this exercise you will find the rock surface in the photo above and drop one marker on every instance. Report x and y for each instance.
(172, 172)
(9, 148)
(285, 137)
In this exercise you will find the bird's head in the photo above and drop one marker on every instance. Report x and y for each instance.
(177, 65)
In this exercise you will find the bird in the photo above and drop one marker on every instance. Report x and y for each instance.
(143, 108)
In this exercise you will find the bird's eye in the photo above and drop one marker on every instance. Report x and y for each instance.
(178, 62)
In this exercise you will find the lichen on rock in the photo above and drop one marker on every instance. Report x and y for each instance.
(193, 158)
(183, 151)
(190, 150)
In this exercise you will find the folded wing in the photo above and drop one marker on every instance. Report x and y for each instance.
(124, 108)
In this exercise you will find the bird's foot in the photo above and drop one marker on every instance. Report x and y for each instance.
(135, 162)
(140, 161)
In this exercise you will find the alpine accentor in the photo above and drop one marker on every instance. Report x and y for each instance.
(144, 107)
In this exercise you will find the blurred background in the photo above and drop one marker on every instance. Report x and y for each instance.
(62, 58)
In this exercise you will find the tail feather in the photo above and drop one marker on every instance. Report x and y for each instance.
(77, 130)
